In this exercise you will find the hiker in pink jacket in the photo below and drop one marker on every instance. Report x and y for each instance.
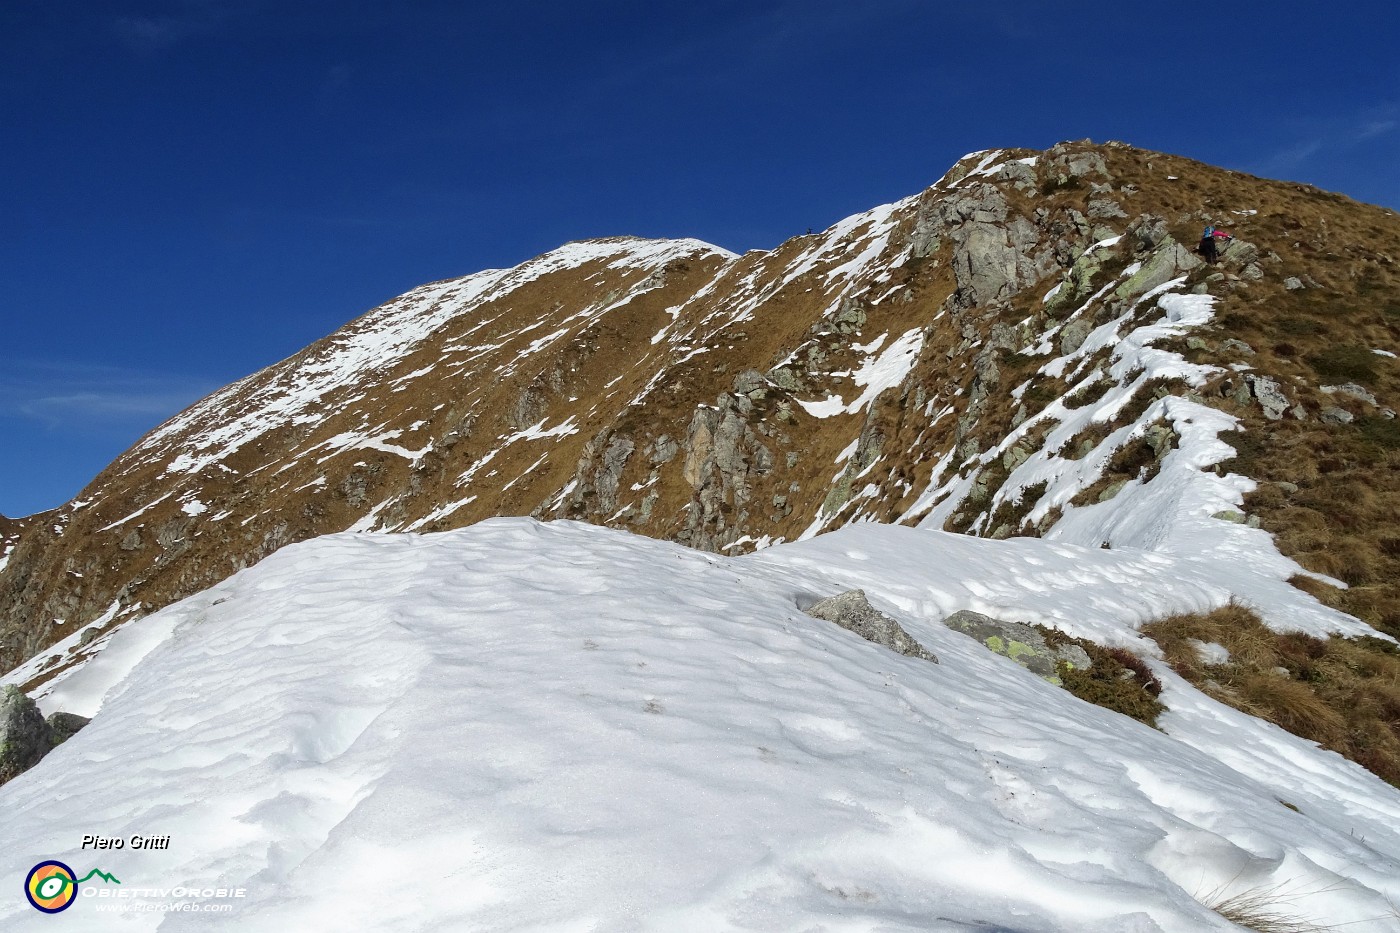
(1208, 247)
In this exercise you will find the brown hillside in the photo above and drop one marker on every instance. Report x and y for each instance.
(874, 371)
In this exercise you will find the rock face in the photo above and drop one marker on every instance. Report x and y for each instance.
(876, 371)
(24, 736)
(1020, 643)
(853, 612)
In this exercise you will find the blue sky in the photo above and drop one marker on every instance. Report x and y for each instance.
(194, 189)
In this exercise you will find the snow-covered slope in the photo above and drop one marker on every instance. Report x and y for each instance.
(525, 726)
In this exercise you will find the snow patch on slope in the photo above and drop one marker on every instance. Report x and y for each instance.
(567, 727)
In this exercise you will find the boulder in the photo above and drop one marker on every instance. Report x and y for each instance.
(24, 736)
(1269, 396)
(853, 612)
(1337, 416)
(1019, 642)
(1352, 390)
(752, 383)
(1146, 232)
(1169, 260)
(63, 726)
(1074, 334)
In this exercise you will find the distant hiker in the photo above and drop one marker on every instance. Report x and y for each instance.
(1208, 248)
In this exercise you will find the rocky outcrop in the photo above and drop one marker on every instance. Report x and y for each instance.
(25, 736)
(853, 612)
(993, 254)
(1019, 642)
(724, 456)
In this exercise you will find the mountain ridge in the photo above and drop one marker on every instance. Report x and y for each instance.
(686, 392)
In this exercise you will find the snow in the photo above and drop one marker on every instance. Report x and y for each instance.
(538, 432)
(561, 727)
(293, 392)
(875, 375)
(1384, 353)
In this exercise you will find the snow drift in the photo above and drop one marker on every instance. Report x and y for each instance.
(525, 726)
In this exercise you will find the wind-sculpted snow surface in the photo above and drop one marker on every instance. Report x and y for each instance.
(524, 726)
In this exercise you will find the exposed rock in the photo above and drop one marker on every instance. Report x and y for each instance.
(853, 612)
(1073, 335)
(850, 317)
(1336, 415)
(1230, 515)
(63, 726)
(1268, 394)
(1022, 176)
(1352, 390)
(1238, 346)
(1112, 490)
(750, 380)
(132, 540)
(723, 457)
(664, 449)
(1015, 456)
(1292, 283)
(992, 258)
(1161, 438)
(1146, 232)
(1076, 164)
(1169, 260)
(24, 736)
(786, 378)
(1105, 209)
(1021, 643)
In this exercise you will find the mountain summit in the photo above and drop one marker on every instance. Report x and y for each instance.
(1018, 539)
(1031, 346)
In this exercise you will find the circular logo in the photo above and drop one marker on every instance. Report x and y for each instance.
(51, 886)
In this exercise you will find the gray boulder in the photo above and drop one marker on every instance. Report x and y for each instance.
(752, 383)
(1337, 416)
(1146, 232)
(853, 612)
(1269, 396)
(24, 736)
(1352, 390)
(1074, 334)
(1169, 260)
(63, 726)
(1021, 643)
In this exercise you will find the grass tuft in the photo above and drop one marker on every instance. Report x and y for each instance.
(1264, 910)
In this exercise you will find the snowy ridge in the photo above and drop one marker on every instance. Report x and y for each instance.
(292, 392)
(587, 730)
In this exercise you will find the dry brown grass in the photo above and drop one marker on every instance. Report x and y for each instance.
(1342, 693)
(1265, 910)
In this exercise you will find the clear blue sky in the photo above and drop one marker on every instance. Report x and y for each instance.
(194, 189)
